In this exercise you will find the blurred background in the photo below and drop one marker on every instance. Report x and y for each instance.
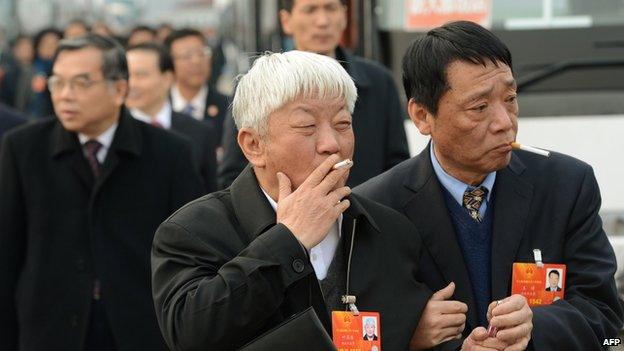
(568, 59)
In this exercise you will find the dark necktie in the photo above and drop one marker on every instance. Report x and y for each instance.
(473, 198)
(188, 110)
(92, 147)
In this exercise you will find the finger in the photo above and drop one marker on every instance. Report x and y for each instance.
(444, 293)
(490, 308)
(332, 179)
(509, 304)
(494, 343)
(510, 335)
(451, 320)
(317, 175)
(341, 207)
(512, 319)
(285, 187)
(339, 194)
(451, 337)
(479, 334)
(449, 307)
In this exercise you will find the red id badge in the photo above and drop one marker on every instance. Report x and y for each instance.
(540, 285)
(356, 333)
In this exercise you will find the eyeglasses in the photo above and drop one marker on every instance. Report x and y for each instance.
(205, 52)
(78, 84)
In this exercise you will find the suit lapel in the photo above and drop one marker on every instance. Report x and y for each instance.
(511, 207)
(64, 142)
(127, 139)
(427, 209)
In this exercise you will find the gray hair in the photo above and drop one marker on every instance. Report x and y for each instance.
(114, 65)
(276, 79)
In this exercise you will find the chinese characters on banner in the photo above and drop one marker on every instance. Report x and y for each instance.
(422, 15)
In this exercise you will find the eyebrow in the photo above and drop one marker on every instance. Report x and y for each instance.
(81, 75)
(510, 83)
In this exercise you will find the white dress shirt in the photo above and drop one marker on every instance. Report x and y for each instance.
(106, 139)
(198, 102)
(322, 254)
(163, 117)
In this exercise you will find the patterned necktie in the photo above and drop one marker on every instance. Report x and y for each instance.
(189, 109)
(473, 200)
(92, 147)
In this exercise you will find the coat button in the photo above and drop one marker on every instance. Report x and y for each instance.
(298, 265)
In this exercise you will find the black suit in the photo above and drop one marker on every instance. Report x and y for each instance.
(224, 272)
(380, 141)
(539, 203)
(61, 228)
(9, 118)
(203, 139)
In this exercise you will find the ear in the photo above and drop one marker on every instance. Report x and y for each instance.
(421, 117)
(285, 21)
(121, 91)
(253, 146)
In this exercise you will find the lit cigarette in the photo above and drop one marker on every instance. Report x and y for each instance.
(534, 150)
(343, 164)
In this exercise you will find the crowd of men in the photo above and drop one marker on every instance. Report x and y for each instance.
(142, 212)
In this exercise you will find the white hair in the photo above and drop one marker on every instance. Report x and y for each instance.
(276, 79)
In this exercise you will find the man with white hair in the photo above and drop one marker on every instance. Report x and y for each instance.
(287, 234)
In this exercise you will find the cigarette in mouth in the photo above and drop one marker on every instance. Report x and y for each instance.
(516, 145)
(343, 164)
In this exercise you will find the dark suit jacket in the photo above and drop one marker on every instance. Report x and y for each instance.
(542, 203)
(203, 139)
(380, 141)
(224, 272)
(9, 118)
(220, 102)
(548, 289)
(60, 229)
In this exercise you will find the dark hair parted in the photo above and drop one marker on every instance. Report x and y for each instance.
(182, 33)
(164, 59)
(142, 28)
(114, 64)
(288, 4)
(427, 58)
(554, 271)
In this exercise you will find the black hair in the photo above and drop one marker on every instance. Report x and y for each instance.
(114, 64)
(428, 57)
(164, 59)
(142, 28)
(288, 4)
(42, 33)
(555, 272)
(182, 33)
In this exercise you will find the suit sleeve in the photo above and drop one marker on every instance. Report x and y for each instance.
(591, 310)
(396, 146)
(234, 160)
(186, 182)
(12, 243)
(205, 301)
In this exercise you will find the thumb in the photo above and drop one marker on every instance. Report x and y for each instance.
(285, 187)
(444, 294)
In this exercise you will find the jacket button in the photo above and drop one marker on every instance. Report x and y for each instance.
(298, 265)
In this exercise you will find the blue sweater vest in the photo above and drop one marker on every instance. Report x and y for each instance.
(475, 242)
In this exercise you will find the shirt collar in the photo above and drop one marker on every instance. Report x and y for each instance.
(163, 117)
(106, 138)
(455, 186)
(198, 101)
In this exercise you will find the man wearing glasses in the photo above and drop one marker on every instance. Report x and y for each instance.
(82, 195)
(192, 68)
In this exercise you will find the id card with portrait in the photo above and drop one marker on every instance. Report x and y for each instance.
(356, 333)
(540, 285)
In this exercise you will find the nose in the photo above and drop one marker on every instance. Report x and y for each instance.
(327, 141)
(504, 118)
